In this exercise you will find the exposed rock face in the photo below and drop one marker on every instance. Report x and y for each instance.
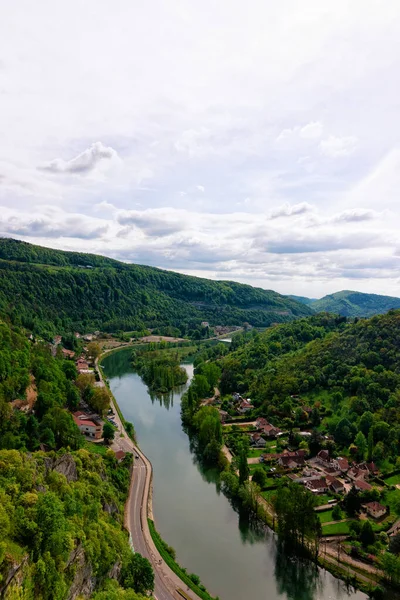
(83, 583)
(12, 577)
(63, 464)
(110, 508)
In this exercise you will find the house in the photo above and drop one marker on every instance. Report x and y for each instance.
(245, 406)
(317, 486)
(257, 440)
(57, 340)
(335, 485)
(291, 462)
(361, 485)
(89, 337)
(120, 455)
(261, 423)
(67, 353)
(270, 431)
(81, 363)
(375, 510)
(343, 464)
(205, 324)
(372, 468)
(355, 473)
(323, 458)
(88, 427)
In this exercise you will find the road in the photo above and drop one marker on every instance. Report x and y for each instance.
(136, 513)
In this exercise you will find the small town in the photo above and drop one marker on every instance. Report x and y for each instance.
(348, 493)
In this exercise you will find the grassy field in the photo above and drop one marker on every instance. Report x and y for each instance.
(323, 499)
(339, 528)
(325, 516)
(95, 448)
(268, 494)
(393, 480)
(392, 499)
(255, 452)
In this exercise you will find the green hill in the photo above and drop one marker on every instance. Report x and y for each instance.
(347, 373)
(355, 304)
(51, 291)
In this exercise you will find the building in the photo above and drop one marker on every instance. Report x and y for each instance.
(375, 510)
(67, 353)
(261, 423)
(361, 485)
(88, 427)
(335, 485)
(245, 406)
(257, 440)
(343, 464)
(120, 455)
(270, 431)
(317, 486)
(57, 340)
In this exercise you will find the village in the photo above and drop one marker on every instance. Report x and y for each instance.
(328, 476)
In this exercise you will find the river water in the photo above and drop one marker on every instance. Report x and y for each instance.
(209, 536)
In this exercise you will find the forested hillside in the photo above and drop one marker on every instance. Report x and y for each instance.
(351, 304)
(50, 291)
(61, 503)
(348, 373)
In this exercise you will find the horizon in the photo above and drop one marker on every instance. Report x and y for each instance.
(253, 146)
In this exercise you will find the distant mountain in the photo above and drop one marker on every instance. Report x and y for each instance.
(352, 304)
(49, 291)
(303, 299)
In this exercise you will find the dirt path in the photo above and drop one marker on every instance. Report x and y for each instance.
(31, 392)
(254, 460)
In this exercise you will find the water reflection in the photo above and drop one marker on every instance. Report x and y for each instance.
(236, 558)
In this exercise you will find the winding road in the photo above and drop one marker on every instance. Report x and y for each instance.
(166, 581)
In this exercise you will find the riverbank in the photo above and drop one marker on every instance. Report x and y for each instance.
(165, 576)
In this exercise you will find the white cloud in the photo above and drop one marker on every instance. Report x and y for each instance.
(201, 94)
(312, 130)
(336, 147)
(84, 162)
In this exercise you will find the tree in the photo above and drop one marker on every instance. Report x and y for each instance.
(244, 470)
(94, 350)
(138, 574)
(99, 400)
(108, 432)
(366, 421)
(69, 369)
(352, 502)
(370, 443)
(259, 477)
(298, 523)
(336, 513)
(367, 535)
(361, 444)
(394, 544)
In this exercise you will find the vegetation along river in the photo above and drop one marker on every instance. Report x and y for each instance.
(209, 536)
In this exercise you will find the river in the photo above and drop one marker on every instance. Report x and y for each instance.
(209, 536)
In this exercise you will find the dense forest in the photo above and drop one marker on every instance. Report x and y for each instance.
(51, 292)
(61, 498)
(351, 304)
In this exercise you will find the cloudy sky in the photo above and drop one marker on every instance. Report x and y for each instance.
(255, 141)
